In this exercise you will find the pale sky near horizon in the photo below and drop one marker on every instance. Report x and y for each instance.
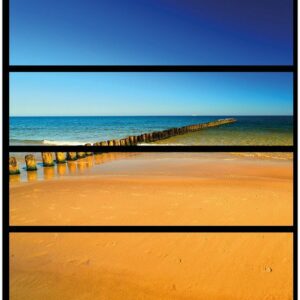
(114, 94)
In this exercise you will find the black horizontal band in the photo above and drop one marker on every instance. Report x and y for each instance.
(41, 148)
(152, 68)
(150, 229)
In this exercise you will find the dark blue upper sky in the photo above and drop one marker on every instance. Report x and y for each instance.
(145, 32)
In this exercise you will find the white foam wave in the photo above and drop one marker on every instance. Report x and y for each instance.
(63, 143)
(160, 144)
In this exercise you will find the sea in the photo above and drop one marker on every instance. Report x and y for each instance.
(73, 130)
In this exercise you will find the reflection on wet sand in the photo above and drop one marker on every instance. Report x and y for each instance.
(72, 167)
(15, 178)
(82, 165)
(32, 175)
(160, 189)
(48, 173)
(79, 166)
(61, 169)
(90, 161)
(106, 157)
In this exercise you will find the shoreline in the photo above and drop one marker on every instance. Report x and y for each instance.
(159, 189)
(85, 165)
(248, 130)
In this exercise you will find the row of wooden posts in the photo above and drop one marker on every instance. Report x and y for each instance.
(62, 157)
(47, 158)
(161, 135)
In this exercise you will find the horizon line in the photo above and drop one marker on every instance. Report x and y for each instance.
(236, 115)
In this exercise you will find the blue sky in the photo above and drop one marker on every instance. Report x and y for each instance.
(145, 32)
(115, 94)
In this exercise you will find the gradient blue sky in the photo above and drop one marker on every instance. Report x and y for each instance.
(115, 94)
(142, 32)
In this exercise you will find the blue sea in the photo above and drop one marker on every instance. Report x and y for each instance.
(248, 130)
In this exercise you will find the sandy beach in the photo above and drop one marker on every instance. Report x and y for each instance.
(206, 266)
(157, 189)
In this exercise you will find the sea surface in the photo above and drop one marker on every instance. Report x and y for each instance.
(248, 130)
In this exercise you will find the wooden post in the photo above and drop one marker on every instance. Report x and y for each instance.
(47, 159)
(150, 137)
(13, 166)
(131, 140)
(127, 141)
(140, 138)
(144, 138)
(167, 133)
(60, 157)
(155, 135)
(71, 156)
(30, 162)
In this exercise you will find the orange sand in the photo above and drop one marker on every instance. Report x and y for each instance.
(159, 189)
(209, 266)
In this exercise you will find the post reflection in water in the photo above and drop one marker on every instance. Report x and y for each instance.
(32, 175)
(15, 178)
(82, 165)
(98, 159)
(48, 172)
(90, 161)
(61, 169)
(72, 167)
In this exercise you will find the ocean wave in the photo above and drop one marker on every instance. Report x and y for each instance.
(25, 142)
(45, 142)
(63, 143)
(160, 144)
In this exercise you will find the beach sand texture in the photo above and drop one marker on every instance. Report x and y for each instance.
(159, 189)
(208, 266)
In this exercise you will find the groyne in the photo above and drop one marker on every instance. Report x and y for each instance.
(154, 136)
(62, 157)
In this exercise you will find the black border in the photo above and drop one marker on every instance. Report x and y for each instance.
(5, 154)
(152, 148)
(7, 68)
(151, 228)
(147, 68)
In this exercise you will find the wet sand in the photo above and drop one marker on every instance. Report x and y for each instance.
(157, 189)
(210, 266)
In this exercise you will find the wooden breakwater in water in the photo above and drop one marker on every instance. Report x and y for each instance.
(62, 158)
(133, 140)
